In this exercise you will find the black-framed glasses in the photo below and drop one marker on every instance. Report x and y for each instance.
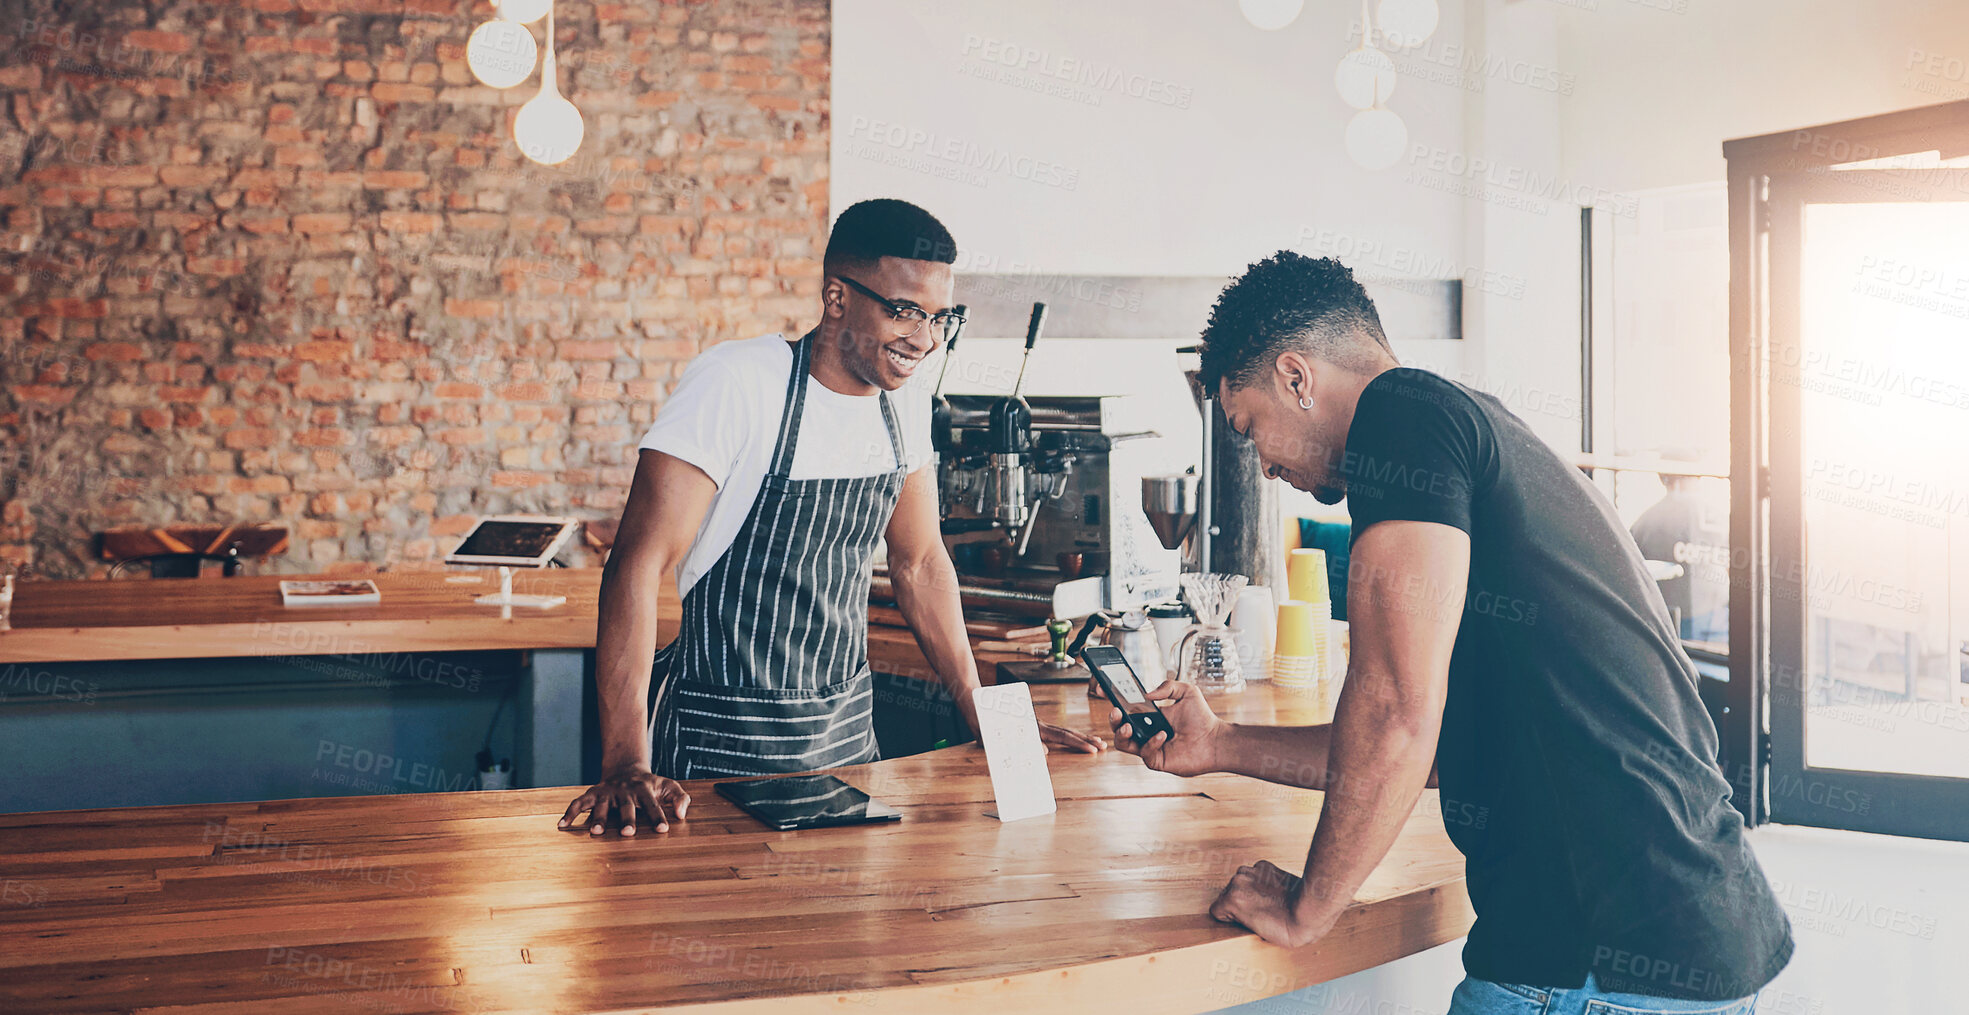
(909, 317)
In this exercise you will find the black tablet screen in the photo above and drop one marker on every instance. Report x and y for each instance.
(509, 539)
(806, 801)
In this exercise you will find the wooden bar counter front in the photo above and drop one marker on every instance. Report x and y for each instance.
(476, 902)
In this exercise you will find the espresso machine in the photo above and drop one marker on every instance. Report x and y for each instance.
(1063, 517)
(1042, 499)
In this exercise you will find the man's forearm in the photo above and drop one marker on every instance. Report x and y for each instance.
(1380, 757)
(1287, 755)
(926, 595)
(625, 647)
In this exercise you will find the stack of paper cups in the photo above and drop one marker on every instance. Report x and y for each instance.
(1312, 615)
(1296, 663)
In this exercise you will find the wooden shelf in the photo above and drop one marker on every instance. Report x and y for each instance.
(187, 618)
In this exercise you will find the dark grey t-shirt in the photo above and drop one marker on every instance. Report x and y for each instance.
(1577, 765)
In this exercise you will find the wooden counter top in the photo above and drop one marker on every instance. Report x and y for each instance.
(476, 902)
(85, 621)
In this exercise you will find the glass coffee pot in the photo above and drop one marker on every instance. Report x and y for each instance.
(1206, 655)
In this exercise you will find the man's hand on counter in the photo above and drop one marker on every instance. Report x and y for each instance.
(1194, 749)
(1264, 898)
(622, 794)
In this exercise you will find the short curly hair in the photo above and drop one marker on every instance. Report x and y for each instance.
(1290, 301)
(885, 227)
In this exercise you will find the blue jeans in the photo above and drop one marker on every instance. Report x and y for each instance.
(1482, 997)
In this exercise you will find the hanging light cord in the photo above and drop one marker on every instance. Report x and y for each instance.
(550, 70)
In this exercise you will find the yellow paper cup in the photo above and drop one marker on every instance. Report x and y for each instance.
(1305, 576)
(1296, 635)
(1293, 672)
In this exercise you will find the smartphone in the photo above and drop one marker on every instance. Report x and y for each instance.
(1124, 688)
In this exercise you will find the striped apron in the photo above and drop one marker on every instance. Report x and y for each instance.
(769, 670)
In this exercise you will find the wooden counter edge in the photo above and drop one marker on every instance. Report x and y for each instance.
(1196, 978)
(323, 636)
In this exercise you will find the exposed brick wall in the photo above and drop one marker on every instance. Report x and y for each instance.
(279, 260)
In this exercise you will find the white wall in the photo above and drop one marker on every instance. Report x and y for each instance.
(1233, 151)
(1522, 218)
(1661, 84)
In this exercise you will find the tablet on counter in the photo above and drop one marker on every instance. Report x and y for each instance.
(806, 801)
(514, 540)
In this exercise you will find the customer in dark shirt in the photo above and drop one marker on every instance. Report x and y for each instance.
(1693, 531)
(1504, 627)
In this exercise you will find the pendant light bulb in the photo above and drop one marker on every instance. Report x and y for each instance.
(501, 53)
(548, 129)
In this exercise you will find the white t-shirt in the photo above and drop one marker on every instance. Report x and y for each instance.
(724, 418)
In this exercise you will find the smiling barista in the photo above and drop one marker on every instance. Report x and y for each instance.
(1504, 628)
(765, 482)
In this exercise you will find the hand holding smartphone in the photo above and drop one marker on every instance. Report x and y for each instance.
(1124, 688)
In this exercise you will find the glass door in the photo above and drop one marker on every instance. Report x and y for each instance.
(1868, 385)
